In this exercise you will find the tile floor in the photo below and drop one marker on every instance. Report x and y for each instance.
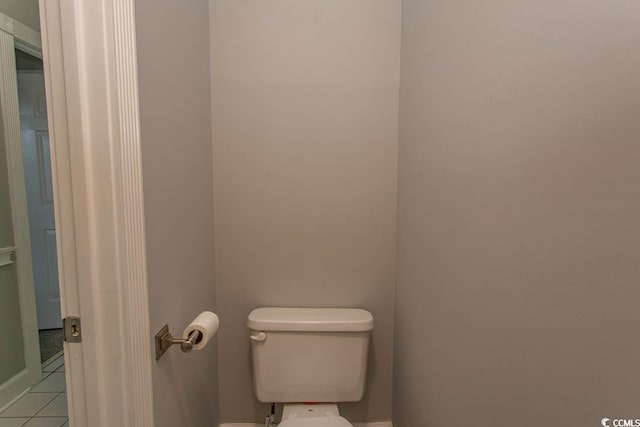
(45, 405)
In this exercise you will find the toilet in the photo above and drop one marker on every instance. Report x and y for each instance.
(310, 359)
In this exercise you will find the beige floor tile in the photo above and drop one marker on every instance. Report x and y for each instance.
(29, 405)
(54, 383)
(57, 407)
(13, 422)
(54, 365)
(46, 422)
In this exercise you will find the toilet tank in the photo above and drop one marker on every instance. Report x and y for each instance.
(309, 354)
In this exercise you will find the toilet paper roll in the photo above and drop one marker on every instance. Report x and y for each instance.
(207, 324)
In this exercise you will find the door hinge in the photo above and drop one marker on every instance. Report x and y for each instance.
(72, 331)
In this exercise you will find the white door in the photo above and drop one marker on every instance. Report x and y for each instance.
(37, 171)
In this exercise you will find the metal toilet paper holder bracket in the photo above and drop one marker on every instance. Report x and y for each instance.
(164, 340)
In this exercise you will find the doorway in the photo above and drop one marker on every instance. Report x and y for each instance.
(90, 76)
(39, 190)
(32, 371)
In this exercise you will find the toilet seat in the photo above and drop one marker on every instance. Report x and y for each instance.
(316, 422)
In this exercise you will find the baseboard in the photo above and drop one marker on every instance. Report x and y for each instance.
(374, 424)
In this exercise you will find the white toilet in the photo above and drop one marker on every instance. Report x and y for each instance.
(310, 359)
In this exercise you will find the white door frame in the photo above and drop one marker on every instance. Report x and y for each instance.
(90, 70)
(14, 34)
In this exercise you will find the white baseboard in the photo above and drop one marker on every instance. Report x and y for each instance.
(374, 424)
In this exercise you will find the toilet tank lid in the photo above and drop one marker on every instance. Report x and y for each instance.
(310, 319)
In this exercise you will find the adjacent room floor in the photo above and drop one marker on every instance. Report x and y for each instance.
(50, 343)
(45, 405)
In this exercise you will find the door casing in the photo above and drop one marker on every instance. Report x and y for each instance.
(89, 53)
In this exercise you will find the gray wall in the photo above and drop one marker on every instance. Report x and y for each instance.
(11, 356)
(519, 213)
(305, 107)
(25, 11)
(173, 61)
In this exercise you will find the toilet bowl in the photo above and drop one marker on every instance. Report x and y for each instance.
(310, 355)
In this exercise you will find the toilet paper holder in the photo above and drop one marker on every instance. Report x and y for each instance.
(164, 340)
